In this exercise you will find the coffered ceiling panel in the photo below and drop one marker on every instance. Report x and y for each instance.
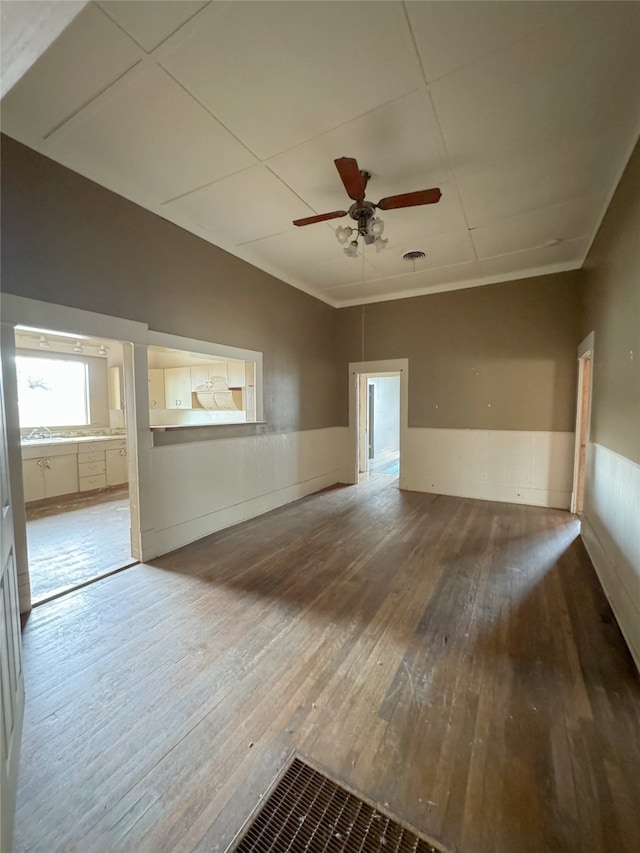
(537, 228)
(550, 85)
(299, 249)
(453, 35)
(446, 250)
(398, 287)
(341, 271)
(540, 177)
(226, 117)
(148, 131)
(91, 54)
(544, 259)
(277, 76)
(249, 205)
(384, 143)
(148, 30)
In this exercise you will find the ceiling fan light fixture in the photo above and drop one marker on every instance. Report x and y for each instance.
(343, 232)
(376, 227)
(369, 226)
(351, 250)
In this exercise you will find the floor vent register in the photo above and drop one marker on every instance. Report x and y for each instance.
(306, 811)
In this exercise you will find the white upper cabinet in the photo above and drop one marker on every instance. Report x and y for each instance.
(203, 374)
(236, 374)
(177, 387)
(156, 388)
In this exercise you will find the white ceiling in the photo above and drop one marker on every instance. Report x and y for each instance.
(225, 118)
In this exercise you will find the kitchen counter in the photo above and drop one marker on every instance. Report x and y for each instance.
(71, 439)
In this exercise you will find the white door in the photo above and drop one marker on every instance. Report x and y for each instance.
(11, 677)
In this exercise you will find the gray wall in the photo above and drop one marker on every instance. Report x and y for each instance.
(612, 311)
(510, 345)
(69, 241)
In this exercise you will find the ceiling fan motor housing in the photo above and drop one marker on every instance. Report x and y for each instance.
(363, 212)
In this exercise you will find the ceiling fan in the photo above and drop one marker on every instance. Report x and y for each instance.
(363, 212)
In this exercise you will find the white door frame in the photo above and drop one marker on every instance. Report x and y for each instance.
(389, 367)
(19, 311)
(583, 419)
(11, 672)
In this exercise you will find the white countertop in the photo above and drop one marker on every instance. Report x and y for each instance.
(77, 439)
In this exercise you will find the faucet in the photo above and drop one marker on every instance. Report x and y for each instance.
(40, 432)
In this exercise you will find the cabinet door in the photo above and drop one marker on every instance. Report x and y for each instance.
(177, 387)
(156, 388)
(205, 374)
(236, 374)
(60, 475)
(116, 397)
(217, 370)
(116, 467)
(33, 479)
(199, 375)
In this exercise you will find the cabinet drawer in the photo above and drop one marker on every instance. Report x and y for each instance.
(36, 451)
(91, 457)
(98, 481)
(91, 446)
(88, 469)
(115, 444)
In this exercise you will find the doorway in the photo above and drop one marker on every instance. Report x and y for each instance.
(583, 420)
(74, 449)
(379, 420)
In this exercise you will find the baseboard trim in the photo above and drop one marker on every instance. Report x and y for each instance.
(606, 572)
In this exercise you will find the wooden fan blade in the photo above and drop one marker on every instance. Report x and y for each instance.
(393, 202)
(321, 217)
(355, 183)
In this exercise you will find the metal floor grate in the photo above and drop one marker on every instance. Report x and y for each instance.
(308, 812)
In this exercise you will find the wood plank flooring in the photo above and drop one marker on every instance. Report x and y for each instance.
(454, 660)
(75, 539)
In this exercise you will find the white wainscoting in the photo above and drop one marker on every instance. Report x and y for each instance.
(611, 533)
(497, 465)
(204, 486)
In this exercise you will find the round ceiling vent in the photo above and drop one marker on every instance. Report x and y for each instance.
(413, 256)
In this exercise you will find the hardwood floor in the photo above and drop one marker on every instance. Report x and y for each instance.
(77, 539)
(452, 659)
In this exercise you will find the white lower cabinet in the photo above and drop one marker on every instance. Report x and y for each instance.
(62, 469)
(116, 466)
(50, 476)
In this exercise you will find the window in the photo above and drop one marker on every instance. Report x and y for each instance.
(52, 392)
(195, 383)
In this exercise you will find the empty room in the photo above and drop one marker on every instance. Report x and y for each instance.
(338, 305)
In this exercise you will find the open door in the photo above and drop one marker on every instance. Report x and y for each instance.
(11, 676)
(583, 417)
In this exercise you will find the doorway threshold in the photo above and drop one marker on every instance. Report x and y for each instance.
(65, 590)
